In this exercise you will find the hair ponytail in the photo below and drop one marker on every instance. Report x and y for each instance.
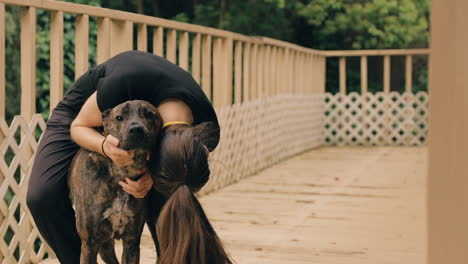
(185, 235)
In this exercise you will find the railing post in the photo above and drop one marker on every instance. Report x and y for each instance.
(386, 74)
(56, 58)
(28, 56)
(409, 73)
(343, 75)
(363, 74)
(81, 44)
(448, 142)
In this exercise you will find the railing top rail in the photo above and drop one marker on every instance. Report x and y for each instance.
(285, 44)
(81, 9)
(384, 52)
(122, 15)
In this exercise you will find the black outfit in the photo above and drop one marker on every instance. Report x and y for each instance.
(132, 75)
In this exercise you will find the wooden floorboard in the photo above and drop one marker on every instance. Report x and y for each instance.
(330, 205)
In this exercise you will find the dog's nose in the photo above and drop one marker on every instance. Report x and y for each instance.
(135, 130)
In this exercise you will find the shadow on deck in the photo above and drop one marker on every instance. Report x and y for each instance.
(329, 205)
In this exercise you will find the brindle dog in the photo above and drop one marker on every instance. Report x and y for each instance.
(104, 211)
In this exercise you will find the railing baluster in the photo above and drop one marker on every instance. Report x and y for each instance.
(196, 57)
(272, 65)
(238, 72)
(343, 75)
(171, 43)
(363, 74)
(121, 36)
(227, 73)
(260, 71)
(206, 65)
(409, 73)
(183, 50)
(56, 58)
(217, 72)
(253, 73)
(103, 40)
(81, 44)
(386, 74)
(28, 55)
(267, 73)
(158, 43)
(142, 37)
(246, 72)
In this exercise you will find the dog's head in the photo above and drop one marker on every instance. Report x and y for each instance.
(135, 123)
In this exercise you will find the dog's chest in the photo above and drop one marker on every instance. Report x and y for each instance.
(120, 214)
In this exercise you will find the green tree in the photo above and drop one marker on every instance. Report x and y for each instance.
(366, 24)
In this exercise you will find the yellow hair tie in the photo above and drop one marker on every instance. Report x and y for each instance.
(176, 123)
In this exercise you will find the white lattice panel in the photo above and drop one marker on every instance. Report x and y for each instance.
(376, 119)
(260, 133)
(20, 241)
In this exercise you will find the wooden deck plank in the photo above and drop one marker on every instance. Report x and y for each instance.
(329, 205)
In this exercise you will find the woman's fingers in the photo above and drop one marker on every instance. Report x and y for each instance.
(139, 188)
(119, 156)
(113, 140)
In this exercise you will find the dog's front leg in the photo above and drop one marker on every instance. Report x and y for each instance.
(89, 252)
(107, 252)
(131, 250)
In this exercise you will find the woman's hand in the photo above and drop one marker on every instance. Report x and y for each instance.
(138, 188)
(120, 157)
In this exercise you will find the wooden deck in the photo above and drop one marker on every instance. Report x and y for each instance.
(329, 205)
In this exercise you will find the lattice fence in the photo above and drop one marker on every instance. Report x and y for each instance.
(376, 119)
(254, 136)
(260, 133)
(20, 241)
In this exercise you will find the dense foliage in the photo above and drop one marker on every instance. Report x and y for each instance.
(321, 24)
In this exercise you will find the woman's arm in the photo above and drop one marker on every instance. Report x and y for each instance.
(83, 133)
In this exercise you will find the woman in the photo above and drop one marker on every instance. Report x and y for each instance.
(182, 104)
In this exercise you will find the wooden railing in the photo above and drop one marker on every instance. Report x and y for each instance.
(364, 54)
(220, 60)
(381, 117)
(267, 94)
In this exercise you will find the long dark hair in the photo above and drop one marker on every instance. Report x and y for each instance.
(184, 233)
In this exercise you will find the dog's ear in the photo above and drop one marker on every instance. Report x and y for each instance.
(105, 118)
(208, 132)
(105, 114)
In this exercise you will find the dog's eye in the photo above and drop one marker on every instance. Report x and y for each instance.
(149, 114)
(119, 118)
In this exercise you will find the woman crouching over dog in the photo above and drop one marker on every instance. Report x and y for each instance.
(178, 167)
